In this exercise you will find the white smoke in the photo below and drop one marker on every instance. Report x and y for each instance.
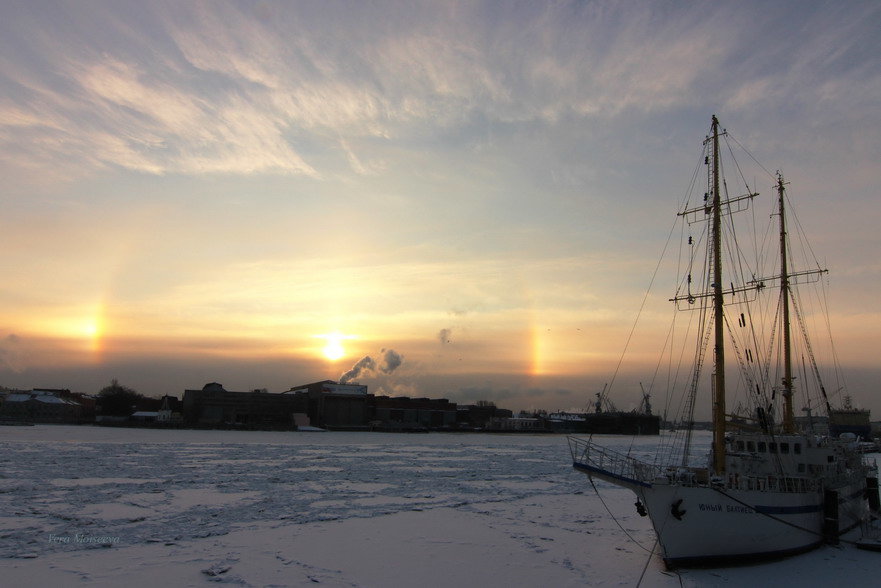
(391, 360)
(364, 365)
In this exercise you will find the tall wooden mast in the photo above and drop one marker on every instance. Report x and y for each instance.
(788, 416)
(718, 313)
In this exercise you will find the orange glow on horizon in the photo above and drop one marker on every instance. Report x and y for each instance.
(82, 329)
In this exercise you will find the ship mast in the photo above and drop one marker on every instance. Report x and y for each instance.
(719, 327)
(788, 417)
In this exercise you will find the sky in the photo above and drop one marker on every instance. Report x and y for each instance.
(472, 194)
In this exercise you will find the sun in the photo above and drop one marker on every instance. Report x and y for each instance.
(334, 349)
(91, 329)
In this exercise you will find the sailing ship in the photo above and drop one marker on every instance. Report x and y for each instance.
(767, 488)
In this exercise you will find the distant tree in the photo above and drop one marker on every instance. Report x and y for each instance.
(117, 400)
(486, 403)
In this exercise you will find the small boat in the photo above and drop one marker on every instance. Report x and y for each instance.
(767, 488)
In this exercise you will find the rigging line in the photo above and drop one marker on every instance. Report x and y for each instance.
(668, 341)
(647, 561)
(686, 198)
(752, 337)
(769, 515)
(609, 511)
(745, 373)
(766, 377)
(769, 248)
(807, 394)
(666, 450)
(736, 164)
(761, 307)
(758, 245)
(732, 246)
(672, 377)
(801, 232)
(641, 308)
(822, 298)
(669, 351)
(839, 372)
(745, 150)
(676, 573)
(797, 307)
(693, 386)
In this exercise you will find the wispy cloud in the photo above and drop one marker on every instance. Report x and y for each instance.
(247, 174)
(233, 91)
(244, 89)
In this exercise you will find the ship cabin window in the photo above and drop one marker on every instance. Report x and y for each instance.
(751, 446)
(762, 447)
(772, 448)
(801, 468)
(784, 448)
(740, 445)
(797, 448)
(830, 459)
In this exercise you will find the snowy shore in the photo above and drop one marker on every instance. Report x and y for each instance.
(140, 507)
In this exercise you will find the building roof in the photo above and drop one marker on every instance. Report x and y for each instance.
(43, 397)
(18, 397)
(49, 399)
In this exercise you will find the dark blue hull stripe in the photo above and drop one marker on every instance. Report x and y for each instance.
(788, 510)
(805, 508)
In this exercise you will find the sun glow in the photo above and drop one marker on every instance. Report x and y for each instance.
(333, 350)
(91, 329)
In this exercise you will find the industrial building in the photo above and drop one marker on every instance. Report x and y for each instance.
(325, 404)
(331, 405)
(47, 405)
(215, 406)
(402, 413)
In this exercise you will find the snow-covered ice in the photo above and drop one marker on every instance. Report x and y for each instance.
(141, 507)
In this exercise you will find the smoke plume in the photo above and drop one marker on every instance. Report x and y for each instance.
(391, 360)
(364, 365)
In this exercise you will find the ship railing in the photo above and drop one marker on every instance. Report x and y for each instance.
(611, 465)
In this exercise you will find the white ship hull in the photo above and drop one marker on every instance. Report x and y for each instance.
(718, 525)
(700, 520)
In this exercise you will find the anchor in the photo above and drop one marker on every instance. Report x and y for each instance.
(640, 508)
(676, 511)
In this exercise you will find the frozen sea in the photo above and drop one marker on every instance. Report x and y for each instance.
(140, 507)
